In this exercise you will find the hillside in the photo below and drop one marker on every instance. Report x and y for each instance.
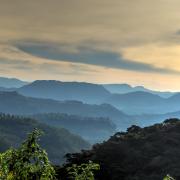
(92, 129)
(137, 102)
(57, 141)
(14, 103)
(57, 90)
(141, 153)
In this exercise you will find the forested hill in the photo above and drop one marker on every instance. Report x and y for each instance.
(93, 129)
(57, 141)
(139, 154)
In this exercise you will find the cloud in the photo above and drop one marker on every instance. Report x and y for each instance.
(108, 41)
(118, 22)
(87, 55)
(16, 63)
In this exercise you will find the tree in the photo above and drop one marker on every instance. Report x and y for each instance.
(29, 161)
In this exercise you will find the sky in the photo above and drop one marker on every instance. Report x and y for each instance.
(104, 41)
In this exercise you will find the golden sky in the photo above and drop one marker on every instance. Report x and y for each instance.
(104, 41)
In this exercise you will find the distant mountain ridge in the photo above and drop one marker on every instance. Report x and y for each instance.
(126, 88)
(11, 83)
(136, 102)
(57, 90)
(140, 102)
(107, 88)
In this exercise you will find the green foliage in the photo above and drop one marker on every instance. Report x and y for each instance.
(168, 177)
(29, 161)
(83, 171)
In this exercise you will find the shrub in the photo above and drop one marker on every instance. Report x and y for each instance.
(83, 171)
(168, 177)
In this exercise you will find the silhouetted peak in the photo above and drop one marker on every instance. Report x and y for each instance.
(45, 82)
(133, 129)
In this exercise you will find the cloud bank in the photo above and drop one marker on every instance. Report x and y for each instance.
(88, 55)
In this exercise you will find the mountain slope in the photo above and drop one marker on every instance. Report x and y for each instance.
(137, 102)
(4, 89)
(57, 90)
(57, 141)
(14, 103)
(11, 82)
(141, 153)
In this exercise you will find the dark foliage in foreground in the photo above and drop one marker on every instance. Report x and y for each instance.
(139, 154)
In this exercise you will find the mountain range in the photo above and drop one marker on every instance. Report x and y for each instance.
(92, 100)
(14, 103)
(137, 102)
(12, 83)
